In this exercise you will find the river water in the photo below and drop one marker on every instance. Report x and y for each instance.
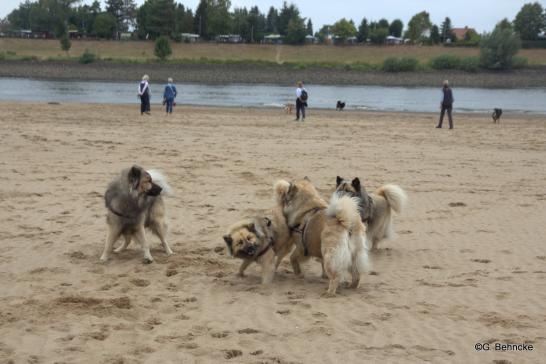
(410, 99)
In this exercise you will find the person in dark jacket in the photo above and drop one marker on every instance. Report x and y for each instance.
(144, 94)
(446, 104)
(169, 95)
(301, 101)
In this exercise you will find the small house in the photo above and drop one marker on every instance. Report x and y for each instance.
(273, 39)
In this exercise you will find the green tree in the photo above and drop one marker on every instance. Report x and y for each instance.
(323, 33)
(497, 49)
(156, 18)
(296, 31)
(309, 27)
(435, 34)
(396, 27)
(530, 21)
(257, 22)
(379, 35)
(288, 13)
(418, 25)
(65, 43)
(363, 30)
(105, 25)
(162, 48)
(383, 23)
(343, 29)
(272, 20)
(505, 24)
(446, 30)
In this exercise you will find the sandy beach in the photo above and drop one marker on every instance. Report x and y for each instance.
(468, 264)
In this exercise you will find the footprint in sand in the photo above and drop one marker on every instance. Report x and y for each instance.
(233, 353)
(248, 331)
(140, 282)
(220, 335)
(484, 261)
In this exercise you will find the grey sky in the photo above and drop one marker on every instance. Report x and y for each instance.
(479, 14)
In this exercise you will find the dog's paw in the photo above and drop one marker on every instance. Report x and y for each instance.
(103, 259)
(328, 295)
(148, 260)
(119, 250)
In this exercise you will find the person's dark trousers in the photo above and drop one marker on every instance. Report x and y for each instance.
(445, 108)
(144, 103)
(300, 106)
(169, 105)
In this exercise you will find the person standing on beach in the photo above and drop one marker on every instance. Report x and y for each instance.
(446, 105)
(169, 95)
(301, 101)
(144, 94)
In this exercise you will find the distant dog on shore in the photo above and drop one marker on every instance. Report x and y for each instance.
(496, 115)
(375, 209)
(134, 201)
(340, 105)
(288, 108)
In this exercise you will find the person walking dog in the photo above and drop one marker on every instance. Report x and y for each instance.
(144, 94)
(169, 95)
(446, 105)
(301, 101)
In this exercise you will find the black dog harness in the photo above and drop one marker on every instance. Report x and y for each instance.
(267, 247)
(307, 217)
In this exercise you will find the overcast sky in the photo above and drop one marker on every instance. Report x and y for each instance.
(479, 14)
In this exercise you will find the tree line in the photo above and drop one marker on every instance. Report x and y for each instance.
(155, 18)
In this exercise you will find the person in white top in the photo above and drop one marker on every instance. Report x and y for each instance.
(144, 94)
(301, 101)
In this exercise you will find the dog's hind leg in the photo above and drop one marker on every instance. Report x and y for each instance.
(113, 235)
(161, 231)
(140, 238)
(124, 245)
(295, 261)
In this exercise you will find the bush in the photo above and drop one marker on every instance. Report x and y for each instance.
(519, 62)
(162, 48)
(470, 64)
(2, 56)
(65, 43)
(87, 57)
(498, 49)
(445, 62)
(403, 64)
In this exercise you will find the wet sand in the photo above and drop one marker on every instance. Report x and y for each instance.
(468, 264)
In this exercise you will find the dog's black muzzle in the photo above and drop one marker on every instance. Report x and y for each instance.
(154, 191)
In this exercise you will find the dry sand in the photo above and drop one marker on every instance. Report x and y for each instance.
(468, 265)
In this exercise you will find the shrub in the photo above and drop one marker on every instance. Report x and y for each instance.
(445, 62)
(519, 62)
(498, 49)
(2, 56)
(162, 48)
(403, 64)
(470, 64)
(65, 43)
(87, 57)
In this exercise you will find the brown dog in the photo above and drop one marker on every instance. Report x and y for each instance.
(331, 232)
(265, 241)
(376, 210)
(288, 108)
(134, 201)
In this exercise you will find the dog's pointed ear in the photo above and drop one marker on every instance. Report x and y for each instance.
(267, 221)
(338, 181)
(356, 184)
(281, 188)
(251, 227)
(134, 176)
(307, 179)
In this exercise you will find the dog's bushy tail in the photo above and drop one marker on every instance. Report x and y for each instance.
(396, 197)
(345, 209)
(160, 179)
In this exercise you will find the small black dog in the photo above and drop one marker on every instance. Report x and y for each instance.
(340, 105)
(496, 115)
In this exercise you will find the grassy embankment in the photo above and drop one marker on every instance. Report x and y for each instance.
(350, 57)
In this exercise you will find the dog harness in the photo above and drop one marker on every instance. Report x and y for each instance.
(308, 215)
(267, 247)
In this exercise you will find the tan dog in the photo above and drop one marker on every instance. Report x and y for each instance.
(261, 240)
(331, 232)
(134, 201)
(376, 209)
(288, 108)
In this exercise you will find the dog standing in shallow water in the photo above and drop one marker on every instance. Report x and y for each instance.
(134, 201)
(331, 232)
(375, 209)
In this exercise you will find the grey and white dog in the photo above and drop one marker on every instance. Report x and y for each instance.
(134, 201)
